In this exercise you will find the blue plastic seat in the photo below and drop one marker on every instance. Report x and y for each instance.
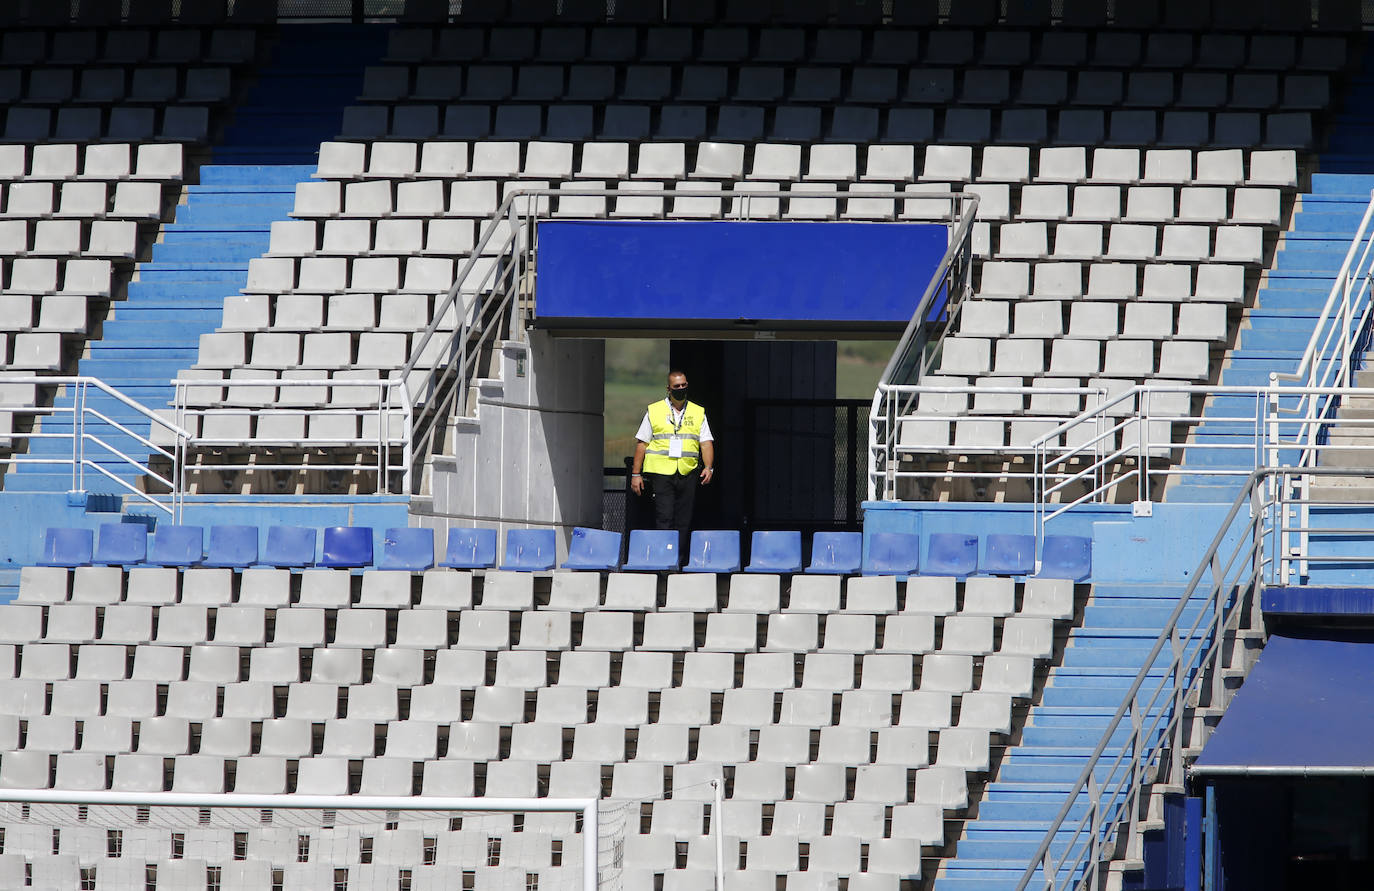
(1066, 557)
(121, 544)
(836, 553)
(407, 549)
(653, 550)
(530, 550)
(1009, 554)
(346, 547)
(594, 549)
(714, 550)
(234, 547)
(67, 547)
(289, 546)
(951, 553)
(775, 552)
(178, 546)
(470, 549)
(892, 553)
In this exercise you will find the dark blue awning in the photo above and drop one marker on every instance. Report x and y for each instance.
(1307, 709)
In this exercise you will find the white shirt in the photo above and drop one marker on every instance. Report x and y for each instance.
(646, 430)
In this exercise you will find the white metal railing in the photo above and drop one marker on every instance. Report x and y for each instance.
(1124, 443)
(95, 440)
(1183, 676)
(1336, 348)
(916, 350)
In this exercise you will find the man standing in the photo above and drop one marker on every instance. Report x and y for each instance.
(675, 452)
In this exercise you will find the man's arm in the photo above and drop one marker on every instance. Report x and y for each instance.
(637, 481)
(708, 461)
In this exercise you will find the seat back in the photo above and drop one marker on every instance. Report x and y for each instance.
(653, 550)
(407, 549)
(530, 550)
(234, 546)
(775, 551)
(347, 547)
(470, 549)
(951, 553)
(121, 544)
(892, 553)
(1009, 554)
(836, 553)
(178, 546)
(714, 550)
(67, 547)
(289, 546)
(1066, 557)
(593, 549)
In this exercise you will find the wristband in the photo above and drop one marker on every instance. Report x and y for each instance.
(633, 475)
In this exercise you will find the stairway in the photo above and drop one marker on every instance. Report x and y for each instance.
(202, 256)
(299, 98)
(1274, 332)
(174, 298)
(1101, 659)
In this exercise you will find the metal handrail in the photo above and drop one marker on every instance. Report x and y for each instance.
(914, 349)
(86, 443)
(1156, 749)
(1338, 339)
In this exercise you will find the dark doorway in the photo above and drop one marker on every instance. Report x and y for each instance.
(1286, 833)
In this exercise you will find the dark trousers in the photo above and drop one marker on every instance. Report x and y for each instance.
(674, 495)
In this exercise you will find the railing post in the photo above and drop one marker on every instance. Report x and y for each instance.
(1137, 780)
(1094, 820)
(1180, 710)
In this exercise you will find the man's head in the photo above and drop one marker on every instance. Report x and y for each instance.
(677, 386)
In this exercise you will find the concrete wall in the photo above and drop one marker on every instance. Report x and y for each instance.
(532, 455)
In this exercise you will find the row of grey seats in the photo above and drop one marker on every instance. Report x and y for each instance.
(753, 593)
(783, 162)
(1011, 48)
(83, 199)
(111, 86)
(119, 123)
(810, 84)
(110, 162)
(85, 238)
(1194, 128)
(119, 46)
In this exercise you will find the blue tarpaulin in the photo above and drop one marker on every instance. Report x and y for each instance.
(1307, 708)
(788, 275)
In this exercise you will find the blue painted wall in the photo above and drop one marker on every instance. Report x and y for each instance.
(1165, 547)
(802, 273)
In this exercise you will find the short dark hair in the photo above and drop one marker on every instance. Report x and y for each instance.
(676, 371)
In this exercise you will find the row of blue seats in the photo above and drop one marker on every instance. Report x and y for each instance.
(412, 550)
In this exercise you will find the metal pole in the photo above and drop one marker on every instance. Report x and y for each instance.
(717, 815)
(590, 837)
(1211, 844)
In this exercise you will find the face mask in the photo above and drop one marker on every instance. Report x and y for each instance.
(679, 395)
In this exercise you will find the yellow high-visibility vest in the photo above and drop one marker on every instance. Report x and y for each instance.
(688, 432)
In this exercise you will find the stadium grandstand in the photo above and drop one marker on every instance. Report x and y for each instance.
(313, 575)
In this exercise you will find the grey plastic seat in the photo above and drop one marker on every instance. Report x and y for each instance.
(1019, 358)
(948, 163)
(1044, 202)
(909, 634)
(1004, 279)
(1026, 241)
(1057, 280)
